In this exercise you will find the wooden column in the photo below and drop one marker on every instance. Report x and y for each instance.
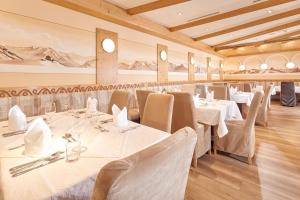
(191, 66)
(221, 65)
(162, 66)
(209, 68)
(107, 63)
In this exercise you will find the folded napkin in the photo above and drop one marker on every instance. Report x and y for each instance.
(37, 138)
(233, 90)
(119, 117)
(209, 95)
(91, 104)
(16, 119)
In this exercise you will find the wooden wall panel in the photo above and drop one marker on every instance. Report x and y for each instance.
(162, 66)
(191, 66)
(221, 66)
(209, 68)
(107, 63)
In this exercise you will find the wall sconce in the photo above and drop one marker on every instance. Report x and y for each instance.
(242, 68)
(192, 61)
(108, 45)
(290, 65)
(222, 65)
(209, 63)
(163, 55)
(264, 66)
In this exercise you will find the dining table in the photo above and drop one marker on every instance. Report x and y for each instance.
(216, 112)
(101, 142)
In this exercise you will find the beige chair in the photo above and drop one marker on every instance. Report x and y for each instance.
(158, 111)
(240, 139)
(120, 98)
(220, 92)
(141, 98)
(247, 87)
(189, 88)
(157, 172)
(262, 115)
(184, 114)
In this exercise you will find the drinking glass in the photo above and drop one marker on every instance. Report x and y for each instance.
(50, 110)
(73, 146)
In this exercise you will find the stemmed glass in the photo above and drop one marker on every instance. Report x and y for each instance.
(50, 110)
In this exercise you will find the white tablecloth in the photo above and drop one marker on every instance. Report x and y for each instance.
(216, 112)
(242, 97)
(64, 179)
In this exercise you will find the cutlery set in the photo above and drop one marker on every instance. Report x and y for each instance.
(8, 134)
(27, 167)
(130, 128)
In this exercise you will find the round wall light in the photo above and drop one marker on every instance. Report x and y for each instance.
(163, 55)
(108, 45)
(264, 66)
(210, 64)
(222, 65)
(290, 65)
(242, 68)
(192, 60)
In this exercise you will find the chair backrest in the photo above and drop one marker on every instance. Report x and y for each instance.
(120, 98)
(141, 96)
(189, 88)
(157, 172)
(250, 120)
(158, 111)
(220, 92)
(183, 111)
(247, 87)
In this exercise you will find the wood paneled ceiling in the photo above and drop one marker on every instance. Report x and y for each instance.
(224, 24)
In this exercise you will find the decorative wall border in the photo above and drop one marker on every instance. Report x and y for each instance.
(34, 91)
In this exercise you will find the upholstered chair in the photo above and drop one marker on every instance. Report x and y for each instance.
(158, 111)
(119, 98)
(247, 87)
(183, 116)
(240, 139)
(141, 98)
(220, 92)
(189, 88)
(157, 172)
(262, 115)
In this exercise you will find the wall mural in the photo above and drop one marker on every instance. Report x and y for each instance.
(136, 57)
(178, 61)
(36, 46)
(264, 64)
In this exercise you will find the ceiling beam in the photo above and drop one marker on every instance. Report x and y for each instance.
(287, 35)
(111, 13)
(251, 24)
(153, 6)
(250, 44)
(233, 13)
(253, 35)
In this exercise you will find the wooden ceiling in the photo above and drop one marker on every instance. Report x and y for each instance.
(219, 24)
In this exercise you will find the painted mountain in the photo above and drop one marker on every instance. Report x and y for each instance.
(43, 56)
(265, 71)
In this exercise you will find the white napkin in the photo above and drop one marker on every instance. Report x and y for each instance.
(233, 90)
(16, 119)
(91, 104)
(37, 138)
(209, 95)
(119, 117)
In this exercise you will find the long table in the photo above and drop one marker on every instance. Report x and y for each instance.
(73, 180)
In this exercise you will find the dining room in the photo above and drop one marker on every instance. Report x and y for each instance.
(149, 99)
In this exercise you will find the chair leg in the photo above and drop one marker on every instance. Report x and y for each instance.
(209, 152)
(249, 160)
(215, 151)
(194, 162)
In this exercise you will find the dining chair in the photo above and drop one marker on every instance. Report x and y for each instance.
(141, 98)
(120, 98)
(247, 87)
(220, 92)
(240, 139)
(158, 111)
(157, 172)
(262, 114)
(184, 115)
(190, 88)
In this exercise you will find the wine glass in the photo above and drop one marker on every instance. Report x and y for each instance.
(50, 110)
